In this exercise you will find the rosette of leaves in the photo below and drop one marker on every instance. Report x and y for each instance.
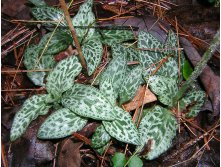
(91, 38)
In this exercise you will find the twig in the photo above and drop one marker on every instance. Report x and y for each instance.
(21, 90)
(102, 161)
(23, 71)
(198, 69)
(73, 33)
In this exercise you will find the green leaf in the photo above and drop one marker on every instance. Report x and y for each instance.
(60, 124)
(89, 102)
(194, 100)
(31, 62)
(31, 109)
(157, 129)
(115, 70)
(166, 88)
(130, 84)
(187, 70)
(59, 42)
(106, 87)
(84, 17)
(92, 51)
(62, 77)
(38, 3)
(49, 14)
(131, 53)
(171, 44)
(135, 161)
(119, 160)
(148, 41)
(100, 137)
(111, 37)
(122, 128)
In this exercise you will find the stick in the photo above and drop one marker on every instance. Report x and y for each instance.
(73, 33)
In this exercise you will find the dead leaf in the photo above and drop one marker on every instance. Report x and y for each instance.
(137, 101)
(69, 155)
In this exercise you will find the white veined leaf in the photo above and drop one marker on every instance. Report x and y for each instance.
(58, 42)
(92, 51)
(62, 77)
(113, 36)
(157, 129)
(166, 88)
(106, 87)
(31, 62)
(148, 41)
(84, 17)
(131, 53)
(61, 123)
(171, 44)
(31, 109)
(38, 3)
(130, 84)
(116, 70)
(122, 128)
(194, 99)
(89, 102)
(49, 14)
(100, 137)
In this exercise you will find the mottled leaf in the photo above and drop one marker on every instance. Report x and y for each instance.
(58, 42)
(92, 51)
(135, 161)
(157, 129)
(38, 3)
(113, 36)
(166, 88)
(116, 70)
(62, 77)
(148, 41)
(122, 128)
(84, 17)
(119, 159)
(171, 44)
(31, 61)
(49, 14)
(194, 100)
(100, 137)
(89, 102)
(131, 53)
(130, 84)
(31, 109)
(60, 124)
(106, 87)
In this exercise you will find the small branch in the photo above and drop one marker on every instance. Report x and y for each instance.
(73, 32)
(198, 69)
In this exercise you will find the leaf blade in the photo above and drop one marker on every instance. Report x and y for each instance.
(92, 51)
(122, 128)
(87, 101)
(31, 109)
(100, 137)
(166, 88)
(158, 127)
(62, 77)
(60, 124)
